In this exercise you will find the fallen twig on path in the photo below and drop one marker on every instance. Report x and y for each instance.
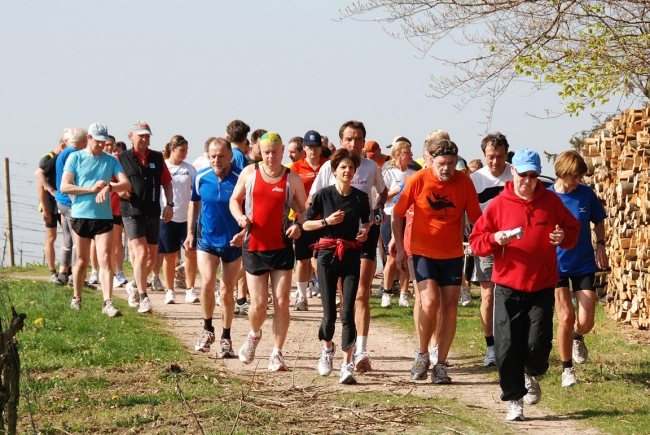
(241, 401)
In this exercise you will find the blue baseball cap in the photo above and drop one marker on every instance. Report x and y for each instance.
(98, 131)
(526, 160)
(312, 139)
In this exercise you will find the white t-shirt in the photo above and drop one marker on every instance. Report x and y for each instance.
(201, 163)
(393, 178)
(487, 186)
(367, 176)
(182, 176)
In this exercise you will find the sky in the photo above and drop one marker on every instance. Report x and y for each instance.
(192, 67)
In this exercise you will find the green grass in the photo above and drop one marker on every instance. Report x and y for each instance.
(614, 392)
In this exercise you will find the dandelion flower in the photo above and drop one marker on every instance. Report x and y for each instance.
(37, 321)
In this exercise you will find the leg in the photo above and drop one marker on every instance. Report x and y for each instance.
(328, 281)
(229, 272)
(158, 264)
(94, 261)
(68, 238)
(540, 334)
(103, 248)
(169, 267)
(242, 284)
(586, 310)
(139, 258)
(281, 288)
(48, 249)
(83, 258)
(350, 281)
(119, 247)
(429, 306)
(258, 287)
(566, 318)
(152, 251)
(207, 264)
(487, 308)
(448, 314)
(362, 307)
(190, 269)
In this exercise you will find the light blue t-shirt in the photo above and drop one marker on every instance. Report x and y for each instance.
(60, 164)
(586, 207)
(88, 170)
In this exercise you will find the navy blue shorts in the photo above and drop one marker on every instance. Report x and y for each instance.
(578, 282)
(172, 236)
(227, 255)
(446, 272)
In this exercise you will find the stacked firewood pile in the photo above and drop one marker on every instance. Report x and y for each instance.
(618, 157)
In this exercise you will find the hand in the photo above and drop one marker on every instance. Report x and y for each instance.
(293, 232)
(189, 244)
(392, 248)
(98, 186)
(501, 238)
(601, 257)
(384, 217)
(126, 194)
(168, 213)
(362, 235)
(103, 194)
(52, 191)
(238, 240)
(401, 260)
(335, 218)
(557, 236)
(243, 221)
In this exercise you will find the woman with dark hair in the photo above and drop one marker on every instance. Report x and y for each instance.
(339, 255)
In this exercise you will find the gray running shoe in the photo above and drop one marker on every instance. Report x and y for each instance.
(301, 305)
(75, 304)
(242, 309)
(54, 277)
(226, 349)
(110, 310)
(145, 306)
(347, 374)
(433, 355)
(569, 377)
(94, 277)
(325, 362)
(490, 359)
(465, 296)
(534, 390)
(205, 341)
(247, 350)
(62, 279)
(157, 284)
(420, 366)
(132, 291)
(515, 410)
(440, 375)
(580, 351)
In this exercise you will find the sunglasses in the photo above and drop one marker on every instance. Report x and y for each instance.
(179, 143)
(531, 175)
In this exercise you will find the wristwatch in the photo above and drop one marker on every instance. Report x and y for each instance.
(600, 242)
(170, 203)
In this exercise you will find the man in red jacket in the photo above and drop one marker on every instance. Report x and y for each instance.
(522, 227)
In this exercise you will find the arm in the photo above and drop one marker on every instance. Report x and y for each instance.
(42, 180)
(237, 197)
(396, 244)
(168, 211)
(300, 199)
(42, 197)
(121, 185)
(601, 253)
(69, 188)
(192, 215)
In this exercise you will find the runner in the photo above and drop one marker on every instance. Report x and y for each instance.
(489, 182)
(87, 177)
(237, 134)
(398, 169)
(174, 232)
(307, 168)
(118, 228)
(141, 209)
(335, 211)
(525, 273)
(352, 136)
(441, 196)
(578, 265)
(295, 149)
(255, 155)
(218, 239)
(46, 176)
(373, 152)
(270, 191)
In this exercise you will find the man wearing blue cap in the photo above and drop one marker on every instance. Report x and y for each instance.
(87, 178)
(522, 227)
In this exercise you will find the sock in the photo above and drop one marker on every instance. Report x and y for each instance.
(155, 275)
(207, 325)
(225, 333)
(302, 288)
(257, 334)
(94, 271)
(403, 295)
(576, 336)
(170, 289)
(241, 301)
(52, 272)
(327, 349)
(142, 296)
(490, 340)
(567, 364)
(276, 351)
(362, 341)
(107, 300)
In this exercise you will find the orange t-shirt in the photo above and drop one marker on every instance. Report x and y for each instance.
(438, 214)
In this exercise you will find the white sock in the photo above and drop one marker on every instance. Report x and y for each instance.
(328, 349)
(257, 334)
(302, 288)
(94, 271)
(362, 341)
(276, 351)
(404, 295)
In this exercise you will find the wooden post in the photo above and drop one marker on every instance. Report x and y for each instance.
(10, 230)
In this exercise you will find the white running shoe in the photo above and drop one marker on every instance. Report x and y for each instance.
(120, 277)
(75, 304)
(110, 310)
(580, 351)
(347, 375)
(132, 290)
(226, 349)
(205, 340)
(465, 296)
(403, 300)
(242, 309)
(386, 300)
(277, 364)
(54, 278)
(157, 285)
(362, 362)
(190, 296)
(420, 366)
(515, 410)
(534, 390)
(569, 377)
(94, 277)
(325, 361)
(338, 302)
(170, 297)
(433, 355)
(301, 305)
(489, 360)
(440, 375)
(380, 291)
(247, 350)
(145, 306)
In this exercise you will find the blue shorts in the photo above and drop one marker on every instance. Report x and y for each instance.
(446, 272)
(172, 236)
(227, 255)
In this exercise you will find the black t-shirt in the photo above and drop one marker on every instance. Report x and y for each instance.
(356, 207)
(48, 165)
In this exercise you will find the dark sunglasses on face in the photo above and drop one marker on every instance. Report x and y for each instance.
(531, 175)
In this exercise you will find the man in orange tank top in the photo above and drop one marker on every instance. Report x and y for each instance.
(271, 190)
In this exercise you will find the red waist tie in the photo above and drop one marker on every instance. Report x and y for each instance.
(339, 246)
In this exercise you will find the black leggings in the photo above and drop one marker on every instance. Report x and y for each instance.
(328, 277)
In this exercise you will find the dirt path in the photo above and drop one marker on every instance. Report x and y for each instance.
(392, 355)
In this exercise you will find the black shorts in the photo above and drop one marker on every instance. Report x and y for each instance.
(303, 251)
(147, 227)
(172, 236)
(447, 272)
(370, 245)
(260, 262)
(89, 228)
(578, 282)
(56, 217)
(117, 220)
